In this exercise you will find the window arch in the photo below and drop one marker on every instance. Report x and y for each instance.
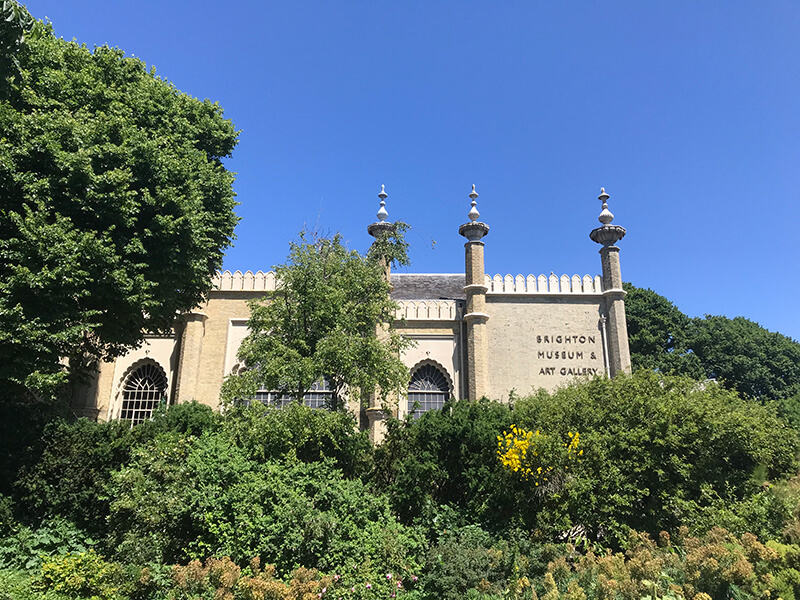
(144, 389)
(428, 390)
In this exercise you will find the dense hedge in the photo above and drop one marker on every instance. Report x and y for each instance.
(295, 503)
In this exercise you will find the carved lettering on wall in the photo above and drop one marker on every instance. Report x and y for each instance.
(573, 354)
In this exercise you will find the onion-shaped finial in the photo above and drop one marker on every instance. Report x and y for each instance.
(606, 216)
(382, 213)
(473, 214)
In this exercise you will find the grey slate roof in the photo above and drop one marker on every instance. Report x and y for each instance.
(428, 286)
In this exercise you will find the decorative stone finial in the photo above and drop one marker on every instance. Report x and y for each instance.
(474, 230)
(382, 214)
(606, 216)
(608, 234)
(473, 212)
(382, 225)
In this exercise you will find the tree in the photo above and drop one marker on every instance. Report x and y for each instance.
(116, 206)
(330, 319)
(740, 353)
(658, 334)
(758, 363)
(15, 22)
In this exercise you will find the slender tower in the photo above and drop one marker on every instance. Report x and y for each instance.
(376, 414)
(475, 311)
(615, 329)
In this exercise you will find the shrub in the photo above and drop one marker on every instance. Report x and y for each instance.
(25, 548)
(72, 464)
(72, 471)
(185, 497)
(81, 575)
(302, 433)
(449, 457)
(660, 450)
(716, 565)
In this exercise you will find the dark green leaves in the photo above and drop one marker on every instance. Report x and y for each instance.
(115, 209)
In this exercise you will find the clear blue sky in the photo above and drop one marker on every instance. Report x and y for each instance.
(688, 113)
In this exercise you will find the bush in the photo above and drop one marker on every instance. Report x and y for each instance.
(21, 427)
(185, 497)
(463, 560)
(302, 433)
(449, 458)
(81, 575)
(716, 565)
(658, 452)
(71, 466)
(17, 585)
(660, 449)
(25, 548)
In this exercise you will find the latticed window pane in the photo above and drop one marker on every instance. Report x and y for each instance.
(145, 388)
(319, 395)
(428, 390)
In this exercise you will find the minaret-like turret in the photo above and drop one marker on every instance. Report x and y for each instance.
(615, 329)
(375, 412)
(475, 310)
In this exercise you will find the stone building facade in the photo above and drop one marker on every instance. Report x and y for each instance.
(476, 335)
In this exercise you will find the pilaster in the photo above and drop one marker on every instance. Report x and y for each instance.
(189, 361)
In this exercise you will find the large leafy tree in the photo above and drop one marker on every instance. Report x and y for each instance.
(658, 334)
(758, 363)
(330, 318)
(115, 206)
(740, 353)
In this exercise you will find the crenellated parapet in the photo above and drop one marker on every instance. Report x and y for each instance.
(429, 310)
(260, 281)
(544, 284)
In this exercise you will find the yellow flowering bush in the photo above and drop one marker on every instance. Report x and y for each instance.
(534, 456)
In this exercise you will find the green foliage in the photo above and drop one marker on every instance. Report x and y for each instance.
(81, 575)
(116, 207)
(15, 23)
(297, 432)
(658, 334)
(658, 451)
(185, 497)
(656, 445)
(464, 560)
(17, 585)
(24, 548)
(70, 468)
(756, 362)
(322, 323)
(716, 565)
(741, 354)
(449, 458)
(21, 428)
(74, 466)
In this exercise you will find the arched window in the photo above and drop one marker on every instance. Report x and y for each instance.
(428, 390)
(144, 389)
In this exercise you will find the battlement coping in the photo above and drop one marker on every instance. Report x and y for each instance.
(428, 310)
(544, 284)
(260, 281)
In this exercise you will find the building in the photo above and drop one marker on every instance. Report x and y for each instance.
(476, 335)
